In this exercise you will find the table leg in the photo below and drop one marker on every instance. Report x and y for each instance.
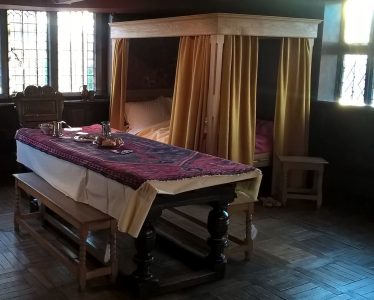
(145, 281)
(218, 221)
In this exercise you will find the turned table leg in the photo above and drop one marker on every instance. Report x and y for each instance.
(143, 258)
(218, 222)
(145, 281)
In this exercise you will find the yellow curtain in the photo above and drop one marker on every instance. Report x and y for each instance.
(237, 110)
(190, 93)
(291, 123)
(119, 83)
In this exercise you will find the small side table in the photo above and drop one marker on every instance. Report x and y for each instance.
(302, 163)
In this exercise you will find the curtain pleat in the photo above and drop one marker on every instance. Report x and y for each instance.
(291, 124)
(190, 93)
(119, 83)
(237, 110)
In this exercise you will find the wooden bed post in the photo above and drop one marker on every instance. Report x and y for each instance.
(112, 65)
(216, 48)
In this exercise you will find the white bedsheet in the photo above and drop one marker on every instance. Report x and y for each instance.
(130, 207)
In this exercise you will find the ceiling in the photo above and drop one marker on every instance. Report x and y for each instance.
(162, 6)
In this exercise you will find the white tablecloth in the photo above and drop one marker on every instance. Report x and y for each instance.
(130, 207)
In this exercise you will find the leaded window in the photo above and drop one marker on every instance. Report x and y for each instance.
(76, 50)
(356, 83)
(27, 49)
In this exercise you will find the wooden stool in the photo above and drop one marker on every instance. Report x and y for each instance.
(303, 163)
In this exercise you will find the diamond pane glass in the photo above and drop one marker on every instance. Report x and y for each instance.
(358, 15)
(76, 49)
(27, 46)
(353, 80)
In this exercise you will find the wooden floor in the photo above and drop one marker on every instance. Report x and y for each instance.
(299, 254)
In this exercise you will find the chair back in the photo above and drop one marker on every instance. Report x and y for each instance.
(37, 105)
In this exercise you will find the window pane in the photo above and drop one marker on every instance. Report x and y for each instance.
(372, 88)
(353, 83)
(358, 15)
(76, 50)
(27, 44)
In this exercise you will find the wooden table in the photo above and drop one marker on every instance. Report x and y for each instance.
(216, 188)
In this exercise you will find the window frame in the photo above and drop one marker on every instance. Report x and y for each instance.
(101, 33)
(344, 49)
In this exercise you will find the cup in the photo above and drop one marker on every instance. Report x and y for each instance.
(91, 95)
(105, 129)
(57, 129)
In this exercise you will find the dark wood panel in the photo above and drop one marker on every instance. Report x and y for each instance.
(343, 136)
(80, 113)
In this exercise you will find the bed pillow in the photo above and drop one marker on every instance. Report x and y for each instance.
(264, 136)
(264, 127)
(142, 114)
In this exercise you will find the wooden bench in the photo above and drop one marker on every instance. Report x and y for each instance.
(82, 217)
(241, 244)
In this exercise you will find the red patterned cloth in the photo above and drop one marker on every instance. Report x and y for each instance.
(150, 160)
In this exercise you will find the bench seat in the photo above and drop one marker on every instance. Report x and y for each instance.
(82, 217)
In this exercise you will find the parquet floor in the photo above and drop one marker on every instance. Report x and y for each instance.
(299, 254)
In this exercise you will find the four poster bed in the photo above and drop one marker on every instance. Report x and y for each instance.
(215, 94)
(214, 100)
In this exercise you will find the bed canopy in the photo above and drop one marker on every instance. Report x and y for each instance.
(214, 100)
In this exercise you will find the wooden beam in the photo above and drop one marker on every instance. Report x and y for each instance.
(216, 24)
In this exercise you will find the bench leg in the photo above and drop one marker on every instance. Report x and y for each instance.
(83, 232)
(17, 211)
(248, 232)
(284, 184)
(113, 250)
(42, 214)
(319, 187)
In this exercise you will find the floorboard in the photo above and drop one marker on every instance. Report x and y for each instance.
(300, 253)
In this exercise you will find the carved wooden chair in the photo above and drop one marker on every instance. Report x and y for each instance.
(37, 105)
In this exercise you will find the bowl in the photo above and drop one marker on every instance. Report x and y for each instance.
(108, 142)
(46, 128)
